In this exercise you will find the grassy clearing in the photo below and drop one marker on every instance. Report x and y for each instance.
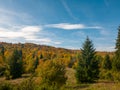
(94, 86)
(15, 81)
(71, 83)
(99, 85)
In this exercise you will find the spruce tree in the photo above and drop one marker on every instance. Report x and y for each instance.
(2, 60)
(116, 61)
(15, 64)
(36, 63)
(87, 70)
(106, 62)
(1, 50)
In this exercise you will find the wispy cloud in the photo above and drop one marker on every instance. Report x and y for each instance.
(106, 3)
(105, 48)
(104, 32)
(26, 34)
(10, 17)
(68, 10)
(40, 40)
(14, 27)
(68, 26)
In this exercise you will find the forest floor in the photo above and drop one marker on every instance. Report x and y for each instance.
(71, 83)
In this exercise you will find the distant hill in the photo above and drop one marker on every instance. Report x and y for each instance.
(45, 48)
(32, 52)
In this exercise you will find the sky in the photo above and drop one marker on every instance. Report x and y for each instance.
(60, 23)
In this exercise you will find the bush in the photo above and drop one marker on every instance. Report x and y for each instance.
(27, 85)
(52, 74)
(110, 75)
(116, 76)
(106, 74)
(6, 86)
(46, 86)
(2, 70)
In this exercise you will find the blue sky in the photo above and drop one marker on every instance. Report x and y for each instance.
(60, 23)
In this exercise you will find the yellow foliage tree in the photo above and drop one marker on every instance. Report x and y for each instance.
(51, 73)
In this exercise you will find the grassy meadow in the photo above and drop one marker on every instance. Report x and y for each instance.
(71, 83)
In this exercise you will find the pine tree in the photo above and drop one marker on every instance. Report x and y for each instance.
(15, 64)
(1, 50)
(35, 64)
(87, 70)
(41, 56)
(2, 60)
(106, 63)
(116, 61)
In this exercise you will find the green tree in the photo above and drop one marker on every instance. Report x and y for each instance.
(36, 63)
(2, 60)
(116, 61)
(51, 73)
(41, 56)
(14, 68)
(106, 62)
(87, 69)
(1, 50)
(105, 69)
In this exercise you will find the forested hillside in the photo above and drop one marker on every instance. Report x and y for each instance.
(32, 51)
(49, 65)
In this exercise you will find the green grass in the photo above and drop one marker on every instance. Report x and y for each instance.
(94, 86)
(71, 83)
(99, 85)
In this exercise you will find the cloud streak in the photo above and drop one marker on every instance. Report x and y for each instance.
(68, 10)
(106, 3)
(14, 27)
(106, 48)
(26, 33)
(68, 26)
(9, 17)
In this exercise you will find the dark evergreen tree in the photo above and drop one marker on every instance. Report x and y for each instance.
(1, 50)
(36, 63)
(41, 56)
(116, 61)
(87, 70)
(106, 62)
(2, 59)
(15, 64)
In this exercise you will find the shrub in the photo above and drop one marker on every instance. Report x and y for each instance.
(116, 76)
(51, 73)
(6, 86)
(27, 85)
(106, 74)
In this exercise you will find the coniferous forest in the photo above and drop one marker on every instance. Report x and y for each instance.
(31, 66)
